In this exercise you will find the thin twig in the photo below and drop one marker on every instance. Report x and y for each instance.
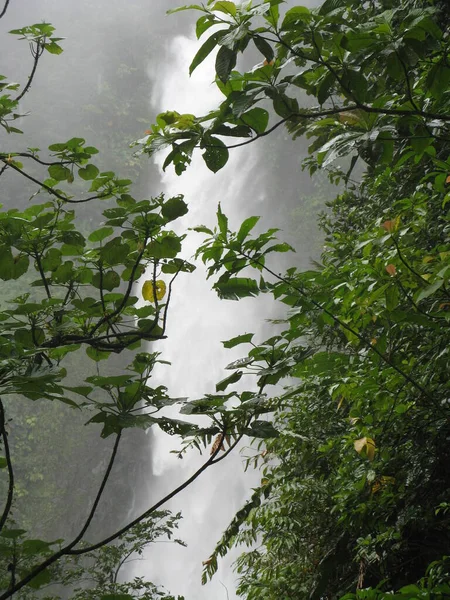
(48, 188)
(4, 436)
(43, 277)
(119, 309)
(35, 158)
(37, 55)
(5, 8)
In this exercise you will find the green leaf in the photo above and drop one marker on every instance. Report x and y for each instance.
(59, 172)
(236, 288)
(240, 339)
(167, 247)
(107, 281)
(233, 378)
(100, 234)
(31, 547)
(429, 290)
(53, 48)
(174, 208)
(186, 7)
(438, 80)
(226, 7)
(246, 227)
(225, 62)
(323, 91)
(295, 14)
(12, 534)
(262, 429)
(96, 355)
(43, 578)
(205, 50)
(88, 172)
(222, 221)
(215, 155)
(330, 5)
(3, 462)
(203, 24)
(257, 119)
(264, 47)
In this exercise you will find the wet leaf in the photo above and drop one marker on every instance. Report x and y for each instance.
(154, 289)
(365, 446)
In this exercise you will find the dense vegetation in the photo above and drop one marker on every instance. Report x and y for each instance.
(355, 487)
(354, 495)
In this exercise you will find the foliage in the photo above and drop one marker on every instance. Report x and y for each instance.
(354, 481)
(69, 288)
(96, 575)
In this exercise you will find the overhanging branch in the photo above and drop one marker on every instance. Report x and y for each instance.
(4, 437)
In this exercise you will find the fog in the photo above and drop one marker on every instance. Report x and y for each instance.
(122, 64)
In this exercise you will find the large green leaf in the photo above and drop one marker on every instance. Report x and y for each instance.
(174, 208)
(216, 154)
(257, 119)
(88, 172)
(240, 339)
(166, 247)
(225, 62)
(205, 50)
(59, 172)
(100, 234)
(236, 288)
(233, 378)
(262, 429)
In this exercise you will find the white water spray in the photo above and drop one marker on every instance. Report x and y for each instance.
(197, 324)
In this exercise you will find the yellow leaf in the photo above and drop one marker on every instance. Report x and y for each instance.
(376, 487)
(365, 447)
(387, 480)
(392, 224)
(154, 289)
(218, 444)
(381, 482)
(349, 118)
(391, 270)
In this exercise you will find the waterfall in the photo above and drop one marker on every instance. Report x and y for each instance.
(198, 321)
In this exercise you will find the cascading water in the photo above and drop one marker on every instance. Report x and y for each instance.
(198, 322)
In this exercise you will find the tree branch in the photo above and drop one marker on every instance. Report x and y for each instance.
(5, 8)
(149, 511)
(119, 309)
(37, 55)
(35, 158)
(66, 549)
(9, 498)
(48, 188)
